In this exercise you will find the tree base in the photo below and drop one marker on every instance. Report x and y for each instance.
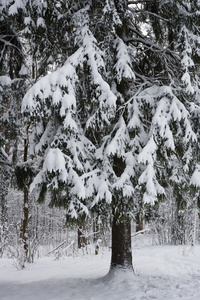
(119, 275)
(121, 256)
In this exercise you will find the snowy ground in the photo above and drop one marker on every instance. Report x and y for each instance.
(161, 272)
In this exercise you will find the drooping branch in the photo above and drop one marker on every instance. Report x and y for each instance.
(140, 1)
(148, 13)
(149, 44)
(7, 163)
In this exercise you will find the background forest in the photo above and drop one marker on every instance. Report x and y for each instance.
(99, 124)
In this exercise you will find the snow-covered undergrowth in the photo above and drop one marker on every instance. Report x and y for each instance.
(161, 272)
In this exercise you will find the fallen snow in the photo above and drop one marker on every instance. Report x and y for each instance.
(161, 272)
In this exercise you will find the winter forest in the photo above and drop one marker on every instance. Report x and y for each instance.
(99, 128)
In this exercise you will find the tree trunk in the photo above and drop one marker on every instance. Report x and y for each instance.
(3, 222)
(139, 222)
(121, 245)
(24, 220)
(82, 240)
(24, 224)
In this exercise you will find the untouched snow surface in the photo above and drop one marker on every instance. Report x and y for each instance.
(161, 272)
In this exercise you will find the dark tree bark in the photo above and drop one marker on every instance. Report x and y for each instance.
(24, 220)
(139, 222)
(121, 245)
(82, 240)
(24, 223)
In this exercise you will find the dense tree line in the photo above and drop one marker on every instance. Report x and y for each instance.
(109, 126)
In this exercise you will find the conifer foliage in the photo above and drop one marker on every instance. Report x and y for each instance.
(117, 123)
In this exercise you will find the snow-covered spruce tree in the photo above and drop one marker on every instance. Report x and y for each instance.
(11, 62)
(189, 42)
(42, 24)
(113, 124)
(35, 23)
(12, 89)
(174, 26)
(11, 93)
(183, 38)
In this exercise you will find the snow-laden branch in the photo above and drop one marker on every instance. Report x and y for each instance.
(141, 232)
(5, 162)
(61, 246)
(140, 2)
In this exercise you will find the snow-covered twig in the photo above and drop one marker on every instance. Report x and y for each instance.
(140, 232)
(59, 246)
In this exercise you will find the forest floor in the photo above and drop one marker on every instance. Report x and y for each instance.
(161, 273)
